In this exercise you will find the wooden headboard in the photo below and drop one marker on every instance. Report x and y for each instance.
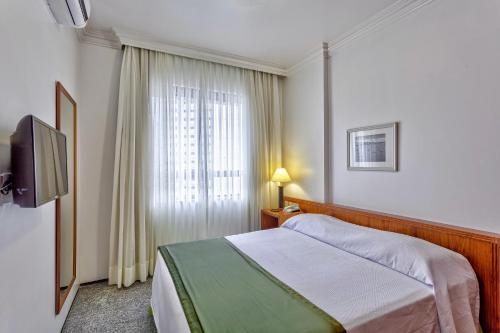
(482, 249)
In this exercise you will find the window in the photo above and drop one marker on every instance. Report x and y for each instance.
(198, 145)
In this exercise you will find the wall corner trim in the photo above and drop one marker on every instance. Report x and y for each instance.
(98, 37)
(328, 127)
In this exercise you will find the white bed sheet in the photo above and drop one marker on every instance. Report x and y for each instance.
(167, 310)
(362, 295)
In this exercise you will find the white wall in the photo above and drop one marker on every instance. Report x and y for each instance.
(99, 83)
(34, 54)
(303, 144)
(437, 72)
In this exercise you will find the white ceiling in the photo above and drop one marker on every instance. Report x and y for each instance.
(278, 32)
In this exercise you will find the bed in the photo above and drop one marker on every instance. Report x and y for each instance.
(367, 280)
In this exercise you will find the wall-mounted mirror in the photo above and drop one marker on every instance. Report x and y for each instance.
(66, 205)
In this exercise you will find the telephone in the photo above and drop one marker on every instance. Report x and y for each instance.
(291, 209)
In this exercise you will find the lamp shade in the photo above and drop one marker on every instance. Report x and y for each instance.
(281, 176)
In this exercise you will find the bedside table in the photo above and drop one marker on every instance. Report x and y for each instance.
(270, 219)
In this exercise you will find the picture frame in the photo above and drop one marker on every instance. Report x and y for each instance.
(373, 148)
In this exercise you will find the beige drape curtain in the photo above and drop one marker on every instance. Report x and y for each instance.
(138, 225)
(265, 107)
(130, 235)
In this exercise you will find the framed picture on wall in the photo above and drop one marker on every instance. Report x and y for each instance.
(373, 148)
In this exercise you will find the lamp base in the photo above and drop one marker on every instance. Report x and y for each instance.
(281, 197)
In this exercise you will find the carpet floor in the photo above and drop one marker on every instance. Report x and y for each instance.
(101, 308)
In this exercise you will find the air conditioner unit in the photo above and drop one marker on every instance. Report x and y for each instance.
(71, 13)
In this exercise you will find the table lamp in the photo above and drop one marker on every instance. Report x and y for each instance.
(281, 176)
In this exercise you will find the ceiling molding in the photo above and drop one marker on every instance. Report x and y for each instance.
(98, 37)
(127, 38)
(384, 18)
(317, 54)
(118, 37)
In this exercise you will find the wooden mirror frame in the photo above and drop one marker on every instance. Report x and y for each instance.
(61, 298)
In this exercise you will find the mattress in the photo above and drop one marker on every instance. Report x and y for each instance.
(361, 294)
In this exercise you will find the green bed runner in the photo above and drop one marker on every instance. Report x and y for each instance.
(222, 290)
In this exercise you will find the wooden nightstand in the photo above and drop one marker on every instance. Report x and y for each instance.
(270, 219)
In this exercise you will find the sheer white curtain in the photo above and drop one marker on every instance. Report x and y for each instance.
(197, 143)
(200, 165)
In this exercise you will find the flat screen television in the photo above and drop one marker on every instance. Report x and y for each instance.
(39, 163)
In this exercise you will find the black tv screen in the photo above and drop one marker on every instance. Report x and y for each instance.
(39, 163)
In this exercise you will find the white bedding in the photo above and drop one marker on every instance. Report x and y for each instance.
(454, 282)
(361, 294)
